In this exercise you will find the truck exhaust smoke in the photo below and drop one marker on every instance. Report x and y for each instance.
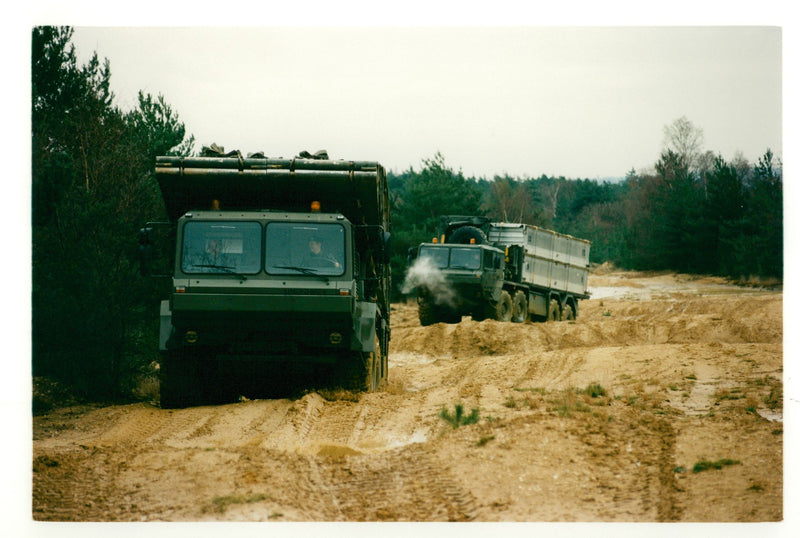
(424, 274)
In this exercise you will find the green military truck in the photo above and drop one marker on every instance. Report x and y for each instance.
(280, 265)
(502, 271)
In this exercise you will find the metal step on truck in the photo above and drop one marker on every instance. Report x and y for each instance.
(496, 270)
(279, 267)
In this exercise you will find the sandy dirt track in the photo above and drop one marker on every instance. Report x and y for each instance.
(609, 418)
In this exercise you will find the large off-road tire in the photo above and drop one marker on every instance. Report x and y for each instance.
(452, 317)
(554, 311)
(189, 378)
(178, 381)
(504, 307)
(466, 235)
(427, 311)
(384, 365)
(568, 314)
(376, 371)
(363, 371)
(519, 307)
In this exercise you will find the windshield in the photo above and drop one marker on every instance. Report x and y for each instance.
(221, 247)
(439, 256)
(305, 248)
(465, 258)
(453, 257)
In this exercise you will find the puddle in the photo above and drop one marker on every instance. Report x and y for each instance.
(618, 292)
(772, 416)
(418, 436)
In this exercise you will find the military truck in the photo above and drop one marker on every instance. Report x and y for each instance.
(503, 271)
(279, 265)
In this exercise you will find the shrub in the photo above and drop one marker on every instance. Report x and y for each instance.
(458, 418)
(704, 465)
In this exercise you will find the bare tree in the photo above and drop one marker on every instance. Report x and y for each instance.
(685, 139)
(511, 201)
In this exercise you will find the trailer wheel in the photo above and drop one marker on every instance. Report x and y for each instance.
(568, 314)
(554, 312)
(504, 308)
(520, 307)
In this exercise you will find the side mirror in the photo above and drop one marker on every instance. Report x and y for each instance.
(387, 246)
(413, 252)
(145, 251)
(149, 255)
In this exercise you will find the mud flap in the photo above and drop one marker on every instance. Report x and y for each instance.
(364, 327)
(165, 329)
(537, 305)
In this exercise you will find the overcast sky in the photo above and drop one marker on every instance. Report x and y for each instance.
(588, 102)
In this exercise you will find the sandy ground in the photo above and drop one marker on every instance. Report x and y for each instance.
(662, 402)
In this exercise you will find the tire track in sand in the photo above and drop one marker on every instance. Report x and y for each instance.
(404, 485)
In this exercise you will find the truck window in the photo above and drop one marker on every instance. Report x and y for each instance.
(294, 248)
(221, 247)
(465, 258)
(488, 259)
(437, 255)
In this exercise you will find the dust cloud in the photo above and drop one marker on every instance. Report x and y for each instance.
(424, 274)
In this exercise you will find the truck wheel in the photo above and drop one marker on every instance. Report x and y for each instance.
(554, 312)
(384, 365)
(503, 309)
(452, 317)
(568, 314)
(520, 307)
(361, 371)
(427, 312)
(375, 368)
(177, 382)
(465, 235)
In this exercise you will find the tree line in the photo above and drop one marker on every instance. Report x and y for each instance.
(722, 218)
(95, 320)
(92, 189)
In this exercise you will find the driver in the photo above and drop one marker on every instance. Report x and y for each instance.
(316, 255)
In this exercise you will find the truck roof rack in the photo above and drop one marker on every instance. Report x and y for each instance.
(254, 183)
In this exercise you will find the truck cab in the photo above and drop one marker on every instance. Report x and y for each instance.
(244, 276)
(278, 265)
(504, 271)
(474, 276)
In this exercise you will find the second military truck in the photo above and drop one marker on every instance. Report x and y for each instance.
(279, 265)
(502, 271)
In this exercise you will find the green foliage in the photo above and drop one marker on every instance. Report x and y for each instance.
(92, 188)
(222, 503)
(458, 418)
(696, 214)
(418, 199)
(95, 320)
(484, 440)
(594, 390)
(705, 465)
